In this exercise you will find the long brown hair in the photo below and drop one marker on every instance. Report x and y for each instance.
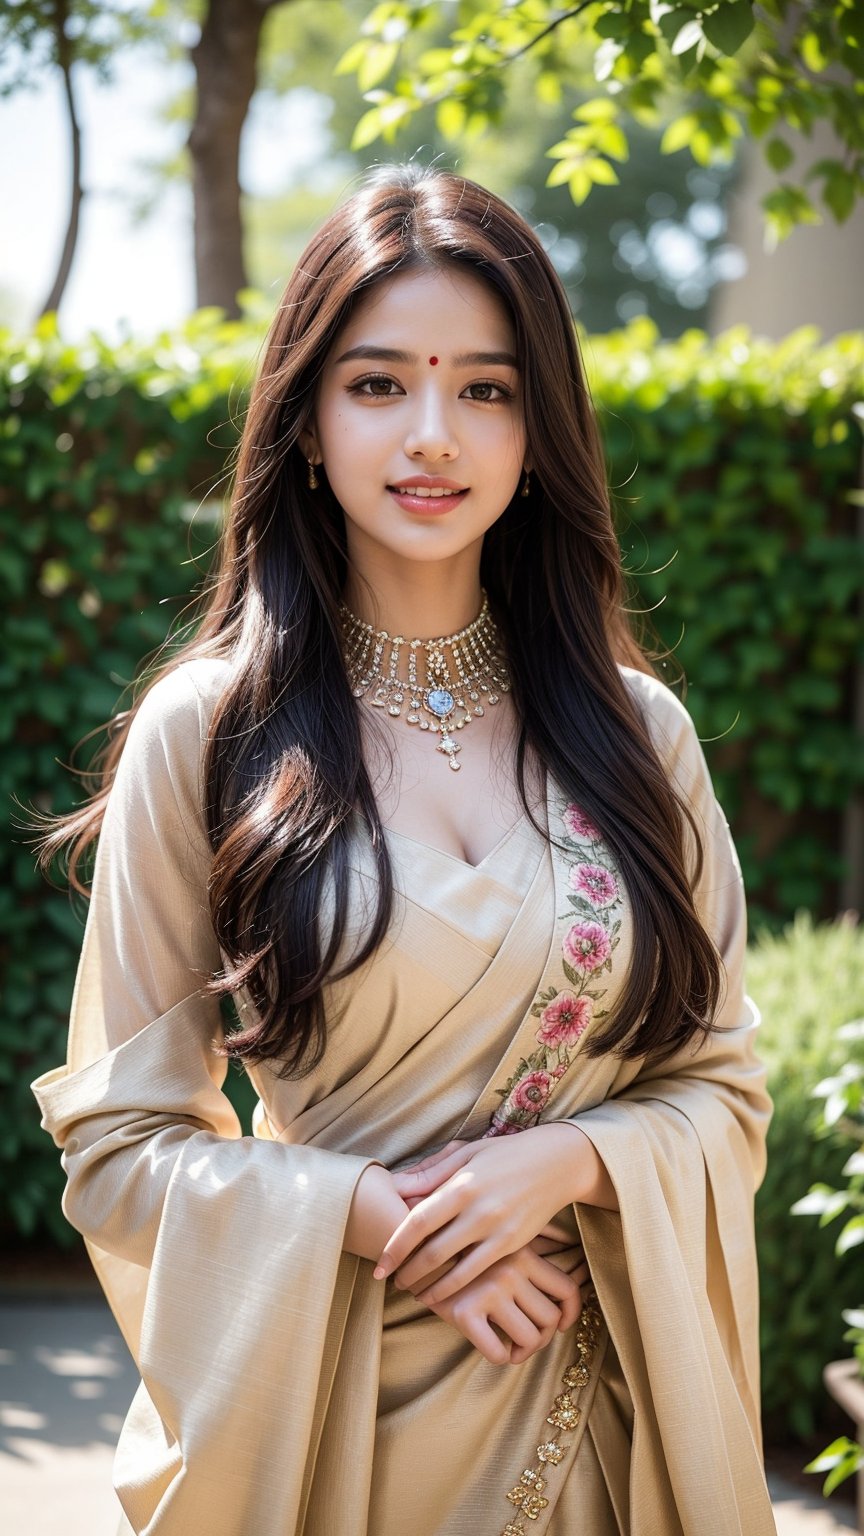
(283, 769)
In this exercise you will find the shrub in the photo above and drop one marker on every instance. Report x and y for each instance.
(807, 983)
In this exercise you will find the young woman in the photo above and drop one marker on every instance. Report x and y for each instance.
(416, 799)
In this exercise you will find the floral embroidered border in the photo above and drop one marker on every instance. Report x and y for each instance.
(528, 1493)
(596, 899)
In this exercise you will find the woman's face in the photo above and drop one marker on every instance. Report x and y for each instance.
(435, 411)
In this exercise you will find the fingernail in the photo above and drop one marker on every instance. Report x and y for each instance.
(380, 1272)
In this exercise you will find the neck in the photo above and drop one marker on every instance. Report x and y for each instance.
(423, 604)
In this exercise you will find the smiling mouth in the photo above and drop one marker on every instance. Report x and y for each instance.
(427, 493)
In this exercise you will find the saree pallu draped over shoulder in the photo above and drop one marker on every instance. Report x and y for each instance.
(283, 1390)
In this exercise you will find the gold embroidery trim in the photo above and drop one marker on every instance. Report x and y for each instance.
(564, 1414)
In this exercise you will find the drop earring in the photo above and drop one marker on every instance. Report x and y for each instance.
(313, 478)
(526, 489)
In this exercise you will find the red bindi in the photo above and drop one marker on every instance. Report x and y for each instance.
(433, 361)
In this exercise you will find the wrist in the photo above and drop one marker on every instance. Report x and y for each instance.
(583, 1176)
(376, 1211)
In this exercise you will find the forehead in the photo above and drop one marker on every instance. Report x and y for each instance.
(431, 306)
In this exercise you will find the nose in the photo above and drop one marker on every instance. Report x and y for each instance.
(430, 433)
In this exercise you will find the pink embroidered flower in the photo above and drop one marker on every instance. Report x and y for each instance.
(595, 882)
(587, 946)
(531, 1092)
(578, 825)
(558, 1071)
(562, 1022)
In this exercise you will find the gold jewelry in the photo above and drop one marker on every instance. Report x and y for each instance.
(478, 658)
(313, 478)
(527, 486)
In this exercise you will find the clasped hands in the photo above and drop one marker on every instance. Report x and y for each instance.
(475, 1244)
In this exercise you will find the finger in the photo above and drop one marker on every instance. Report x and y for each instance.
(433, 1157)
(571, 1310)
(562, 1287)
(519, 1356)
(542, 1310)
(497, 1350)
(521, 1328)
(422, 1180)
(485, 1337)
(473, 1263)
(415, 1228)
(549, 1277)
(422, 1266)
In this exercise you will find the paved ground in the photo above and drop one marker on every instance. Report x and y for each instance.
(66, 1380)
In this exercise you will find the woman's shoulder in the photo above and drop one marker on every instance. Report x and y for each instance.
(189, 687)
(172, 717)
(669, 722)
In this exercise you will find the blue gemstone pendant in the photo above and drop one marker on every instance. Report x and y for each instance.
(440, 702)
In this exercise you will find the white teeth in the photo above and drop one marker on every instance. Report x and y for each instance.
(426, 490)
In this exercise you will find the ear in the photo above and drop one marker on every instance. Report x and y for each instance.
(308, 445)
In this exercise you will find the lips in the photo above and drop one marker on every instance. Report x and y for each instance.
(428, 499)
(437, 493)
(428, 482)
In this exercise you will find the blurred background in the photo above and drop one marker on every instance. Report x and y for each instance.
(677, 239)
(695, 173)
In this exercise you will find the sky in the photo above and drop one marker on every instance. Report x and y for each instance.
(125, 276)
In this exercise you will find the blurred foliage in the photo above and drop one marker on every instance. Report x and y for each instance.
(808, 983)
(94, 33)
(737, 457)
(654, 244)
(842, 1119)
(740, 459)
(711, 72)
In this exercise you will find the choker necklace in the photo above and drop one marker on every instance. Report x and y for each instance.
(480, 668)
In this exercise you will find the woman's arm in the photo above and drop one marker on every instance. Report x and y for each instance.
(376, 1211)
(138, 1109)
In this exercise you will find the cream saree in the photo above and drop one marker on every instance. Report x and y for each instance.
(285, 1391)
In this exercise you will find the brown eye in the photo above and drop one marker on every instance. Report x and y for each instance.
(359, 386)
(503, 392)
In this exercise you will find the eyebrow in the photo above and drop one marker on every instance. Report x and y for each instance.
(393, 355)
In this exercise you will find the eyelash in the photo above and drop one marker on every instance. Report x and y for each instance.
(357, 389)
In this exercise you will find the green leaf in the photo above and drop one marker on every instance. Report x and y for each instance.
(450, 117)
(852, 1235)
(811, 53)
(689, 37)
(376, 64)
(601, 109)
(352, 59)
(580, 186)
(815, 1203)
(679, 133)
(368, 129)
(838, 192)
(560, 173)
(778, 154)
(612, 24)
(612, 140)
(601, 172)
(729, 25)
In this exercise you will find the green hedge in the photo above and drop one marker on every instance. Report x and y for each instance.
(807, 983)
(735, 464)
(745, 458)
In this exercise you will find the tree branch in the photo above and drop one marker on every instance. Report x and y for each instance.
(65, 61)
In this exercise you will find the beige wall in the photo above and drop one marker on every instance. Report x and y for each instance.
(815, 277)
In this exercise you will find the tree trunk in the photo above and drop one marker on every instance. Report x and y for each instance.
(64, 60)
(226, 65)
